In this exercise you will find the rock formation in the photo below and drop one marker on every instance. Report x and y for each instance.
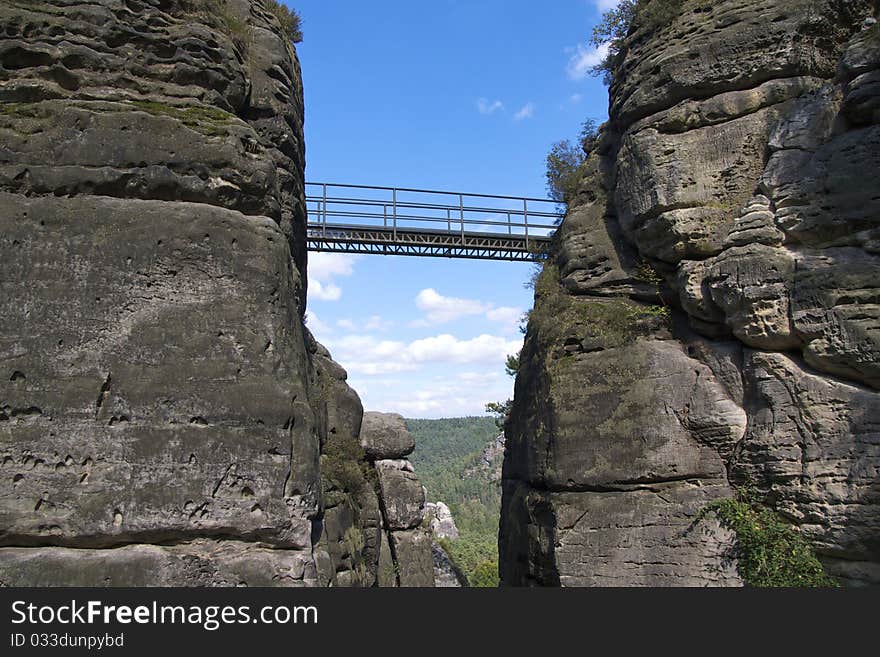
(446, 573)
(710, 316)
(441, 521)
(374, 531)
(491, 461)
(165, 417)
(441, 526)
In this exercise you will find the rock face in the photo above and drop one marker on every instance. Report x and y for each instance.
(165, 416)
(385, 436)
(442, 522)
(374, 531)
(710, 318)
(446, 573)
(156, 381)
(441, 525)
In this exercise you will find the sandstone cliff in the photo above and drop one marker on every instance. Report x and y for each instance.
(375, 530)
(165, 417)
(710, 316)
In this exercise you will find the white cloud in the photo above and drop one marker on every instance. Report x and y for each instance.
(575, 99)
(346, 324)
(584, 59)
(485, 106)
(328, 265)
(324, 291)
(364, 354)
(316, 326)
(376, 323)
(441, 309)
(466, 394)
(527, 111)
(323, 268)
(437, 403)
(479, 379)
(506, 315)
(447, 348)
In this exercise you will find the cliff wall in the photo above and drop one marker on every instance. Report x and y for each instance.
(709, 320)
(164, 413)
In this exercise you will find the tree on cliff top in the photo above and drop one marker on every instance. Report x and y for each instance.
(564, 162)
(617, 23)
(290, 20)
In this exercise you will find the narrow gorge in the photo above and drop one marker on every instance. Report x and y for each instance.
(706, 326)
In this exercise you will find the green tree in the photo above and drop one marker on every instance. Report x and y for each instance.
(485, 575)
(512, 364)
(617, 23)
(565, 161)
(563, 165)
(449, 458)
(501, 411)
(291, 22)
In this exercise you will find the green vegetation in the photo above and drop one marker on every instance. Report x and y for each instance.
(565, 164)
(500, 411)
(344, 466)
(218, 13)
(771, 552)
(617, 23)
(291, 22)
(24, 110)
(448, 459)
(616, 321)
(512, 364)
(646, 272)
(20, 117)
(208, 120)
(485, 575)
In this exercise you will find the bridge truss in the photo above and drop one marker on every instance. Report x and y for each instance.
(419, 222)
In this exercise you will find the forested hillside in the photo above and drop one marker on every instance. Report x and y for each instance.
(449, 458)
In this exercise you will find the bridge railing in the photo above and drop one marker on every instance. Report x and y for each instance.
(334, 206)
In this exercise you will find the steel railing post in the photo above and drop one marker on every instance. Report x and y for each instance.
(526, 220)
(384, 215)
(324, 213)
(449, 219)
(461, 215)
(394, 211)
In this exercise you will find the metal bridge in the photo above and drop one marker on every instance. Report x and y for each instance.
(424, 222)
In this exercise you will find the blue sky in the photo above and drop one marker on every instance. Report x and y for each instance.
(452, 95)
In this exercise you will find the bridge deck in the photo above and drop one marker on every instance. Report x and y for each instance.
(395, 221)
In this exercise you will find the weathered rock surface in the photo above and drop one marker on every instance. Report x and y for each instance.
(372, 526)
(710, 317)
(165, 417)
(442, 522)
(199, 563)
(370, 506)
(385, 436)
(813, 444)
(402, 494)
(446, 574)
(156, 382)
(412, 555)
